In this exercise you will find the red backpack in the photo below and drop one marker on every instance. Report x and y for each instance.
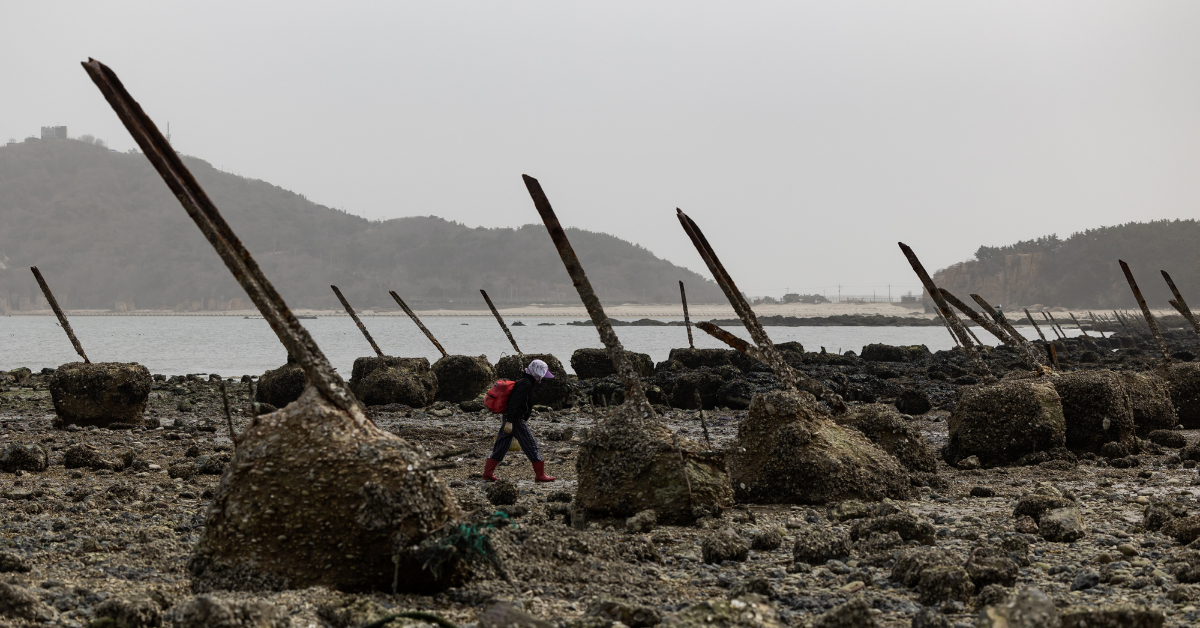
(497, 398)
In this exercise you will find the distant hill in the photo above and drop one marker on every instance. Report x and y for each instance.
(107, 234)
(1082, 271)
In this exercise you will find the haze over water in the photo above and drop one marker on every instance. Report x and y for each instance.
(177, 345)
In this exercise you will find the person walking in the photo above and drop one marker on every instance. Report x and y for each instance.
(520, 406)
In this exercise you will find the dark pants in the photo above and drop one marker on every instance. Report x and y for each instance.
(528, 443)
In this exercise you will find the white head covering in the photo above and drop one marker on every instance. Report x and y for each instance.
(539, 370)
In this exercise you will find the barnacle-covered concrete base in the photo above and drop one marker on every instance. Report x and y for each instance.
(100, 393)
(318, 496)
(463, 377)
(382, 381)
(789, 451)
(282, 385)
(631, 463)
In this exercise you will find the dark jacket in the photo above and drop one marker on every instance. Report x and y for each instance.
(520, 403)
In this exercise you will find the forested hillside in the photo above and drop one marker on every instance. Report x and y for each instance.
(107, 234)
(1082, 271)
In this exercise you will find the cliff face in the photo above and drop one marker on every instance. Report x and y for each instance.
(1017, 280)
(1082, 271)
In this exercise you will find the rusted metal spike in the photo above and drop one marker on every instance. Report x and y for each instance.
(361, 327)
(999, 319)
(1123, 325)
(413, 315)
(1096, 324)
(1150, 322)
(634, 393)
(992, 328)
(228, 415)
(1035, 325)
(1056, 324)
(687, 321)
(62, 317)
(955, 324)
(1051, 324)
(973, 336)
(1081, 329)
(951, 331)
(500, 319)
(239, 261)
(773, 358)
(1182, 305)
(733, 341)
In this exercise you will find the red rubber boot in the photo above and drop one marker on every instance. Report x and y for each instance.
(489, 468)
(539, 470)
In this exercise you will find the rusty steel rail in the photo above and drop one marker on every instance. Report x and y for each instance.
(1055, 322)
(635, 394)
(952, 319)
(1035, 325)
(62, 317)
(992, 328)
(1181, 305)
(1097, 324)
(1081, 329)
(947, 326)
(1150, 322)
(413, 316)
(353, 315)
(1051, 325)
(500, 319)
(773, 359)
(239, 261)
(999, 319)
(687, 320)
(732, 340)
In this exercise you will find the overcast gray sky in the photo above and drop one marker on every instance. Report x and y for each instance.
(805, 138)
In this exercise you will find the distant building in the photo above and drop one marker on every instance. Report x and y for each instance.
(54, 132)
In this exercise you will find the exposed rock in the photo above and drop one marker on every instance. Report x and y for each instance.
(1096, 407)
(555, 393)
(855, 613)
(1183, 529)
(502, 493)
(17, 602)
(281, 386)
(1002, 422)
(907, 525)
(10, 563)
(986, 569)
(1127, 616)
(890, 353)
(788, 451)
(1029, 608)
(1150, 402)
(18, 457)
(210, 612)
(130, 612)
(83, 456)
(630, 463)
(315, 476)
(702, 385)
(379, 382)
(1167, 438)
(461, 378)
(101, 393)
(1159, 514)
(696, 358)
(1037, 505)
(945, 582)
(632, 615)
(817, 544)
(911, 563)
(722, 545)
(749, 611)
(591, 363)
(643, 521)
(913, 401)
(767, 540)
(1062, 525)
(928, 617)
(882, 424)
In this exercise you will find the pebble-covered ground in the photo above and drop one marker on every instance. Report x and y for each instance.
(78, 541)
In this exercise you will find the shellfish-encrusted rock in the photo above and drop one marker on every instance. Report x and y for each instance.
(1184, 383)
(789, 451)
(379, 382)
(1150, 401)
(696, 358)
(999, 423)
(100, 393)
(462, 377)
(555, 393)
(281, 386)
(1096, 407)
(591, 363)
(318, 496)
(630, 463)
(881, 423)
